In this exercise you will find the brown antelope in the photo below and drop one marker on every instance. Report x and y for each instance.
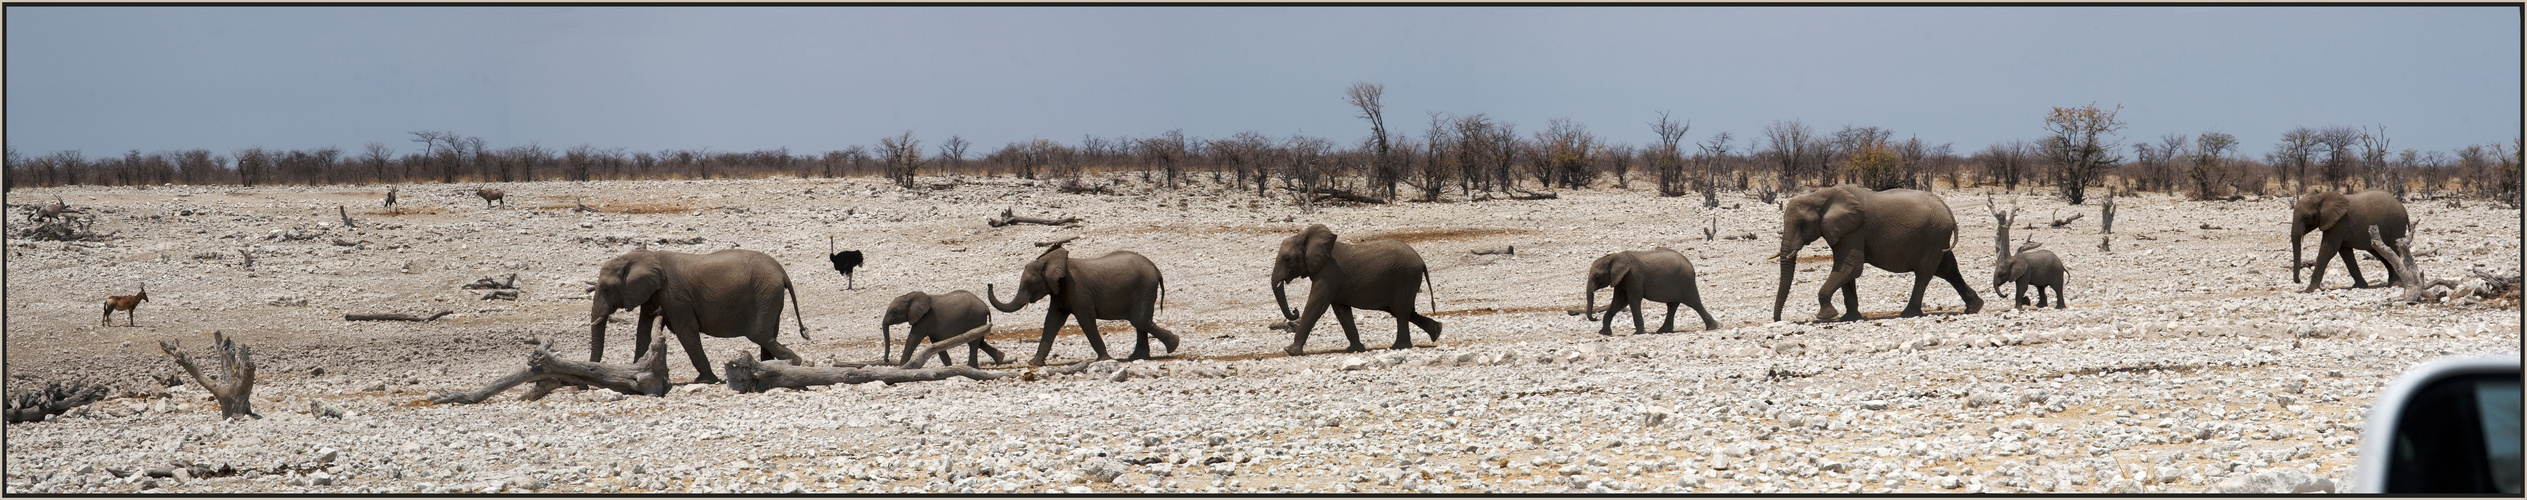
(125, 303)
(52, 210)
(390, 197)
(490, 195)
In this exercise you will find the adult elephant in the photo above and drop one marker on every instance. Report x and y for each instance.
(934, 317)
(1658, 274)
(1378, 275)
(2345, 220)
(1116, 286)
(728, 293)
(1897, 230)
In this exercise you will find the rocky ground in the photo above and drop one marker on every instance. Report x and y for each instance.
(2186, 363)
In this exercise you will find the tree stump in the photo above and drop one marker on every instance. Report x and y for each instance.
(646, 376)
(234, 388)
(396, 316)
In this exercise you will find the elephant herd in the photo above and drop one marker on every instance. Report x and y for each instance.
(737, 293)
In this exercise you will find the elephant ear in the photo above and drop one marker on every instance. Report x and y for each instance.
(1320, 247)
(916, 306)
(1056, 268)
(643, 277)
(1621, 268)
(2330, 208)
(1842, 217)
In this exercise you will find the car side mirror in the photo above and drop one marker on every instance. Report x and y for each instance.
(2450, 425)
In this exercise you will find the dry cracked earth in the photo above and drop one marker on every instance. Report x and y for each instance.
(2187, 361)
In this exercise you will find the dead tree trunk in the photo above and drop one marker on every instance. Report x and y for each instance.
(395, 316)
(2408, 271)
(2058, 223)
(2004, 219)
(346, 216)
(1323, 194)
(644, 377)
(234, 388)
(1059, 242)
(55, 399)
(1506, 250)
(746, 374)
(1008, 216)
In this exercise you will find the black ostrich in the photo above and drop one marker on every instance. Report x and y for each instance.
(844, 261)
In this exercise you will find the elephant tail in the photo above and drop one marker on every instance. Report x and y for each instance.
(1434, 289)
(1162, 294)
(797, 314)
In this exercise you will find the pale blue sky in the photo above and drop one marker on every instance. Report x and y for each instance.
(105, 80)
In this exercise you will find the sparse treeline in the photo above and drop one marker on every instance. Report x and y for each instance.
(1452, 157)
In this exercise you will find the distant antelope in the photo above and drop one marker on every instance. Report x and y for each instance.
(490, 195)
(390, 197)
(125, 303)
(53, 210)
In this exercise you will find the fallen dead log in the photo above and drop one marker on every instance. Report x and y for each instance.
(1518, 194)
(2058, 223)
(55, 399)
(1506, 250)
(1323, 194)
(1008, 216)
(747, 374)
(488, 283)
(646, 376)
(234, 388)
(1592, 310)
(1058, 242)
(396, 316)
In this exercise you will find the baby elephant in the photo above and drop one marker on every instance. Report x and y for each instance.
(936, 318)
(1657, 274)
(127, 304)
(2032, 267)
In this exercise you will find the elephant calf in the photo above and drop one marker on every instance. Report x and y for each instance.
(935, 317)
(2032, 267)
(1657, 274)
(1116, 286)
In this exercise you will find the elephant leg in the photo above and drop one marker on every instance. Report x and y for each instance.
(1921, 283)
(641, 332)
(1427, 324)
(1669, 324)
(1614, 304)
(1088, 326)
(1638, 324)
(774, 350)
(1053, 319)
(2391, 278)
(2022, 294)
(986, 347)
(1845, 277)
(1350, 331)
(912, 344)
(692, 342)
(944, 360)
(2061, 300)
(1693, 299)
(1956, 279)
(2351, 265)
(1147, 328)
(1307, 321)
(2316, 273)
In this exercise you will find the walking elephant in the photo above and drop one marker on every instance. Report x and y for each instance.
(935, 317)
(1377, 275)
(728, 293)
(1116, 286)
(1657, 274)
(1897, 230)
(2032, 267)
(2345, 220)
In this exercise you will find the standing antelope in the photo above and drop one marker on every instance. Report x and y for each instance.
(125, 303)
(390, 197)
(490, 195)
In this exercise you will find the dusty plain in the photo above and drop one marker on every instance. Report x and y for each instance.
(2187, 361)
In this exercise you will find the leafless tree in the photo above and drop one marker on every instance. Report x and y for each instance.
(2209, 170)
(1790, 143)
(953, 152)
(2340, 163)
(1435, 161)
(1617, 160)
(1383, 170)
(1715, 152)
(378, 156)
(2375, 171)
(1566, 154)
(1668, 158)
(2080, 146)
(199, 166)
(253, 165)
(580, 162)
(1166, 151)
(902, 155)
(2293, 155)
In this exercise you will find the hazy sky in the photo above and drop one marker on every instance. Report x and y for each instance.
(108, 79)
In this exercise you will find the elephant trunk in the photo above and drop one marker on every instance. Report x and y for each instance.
(1789, 269)
(1015, 302)
(1589, 308)
(1282, 297)
(2298, 233)
(598, 312)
